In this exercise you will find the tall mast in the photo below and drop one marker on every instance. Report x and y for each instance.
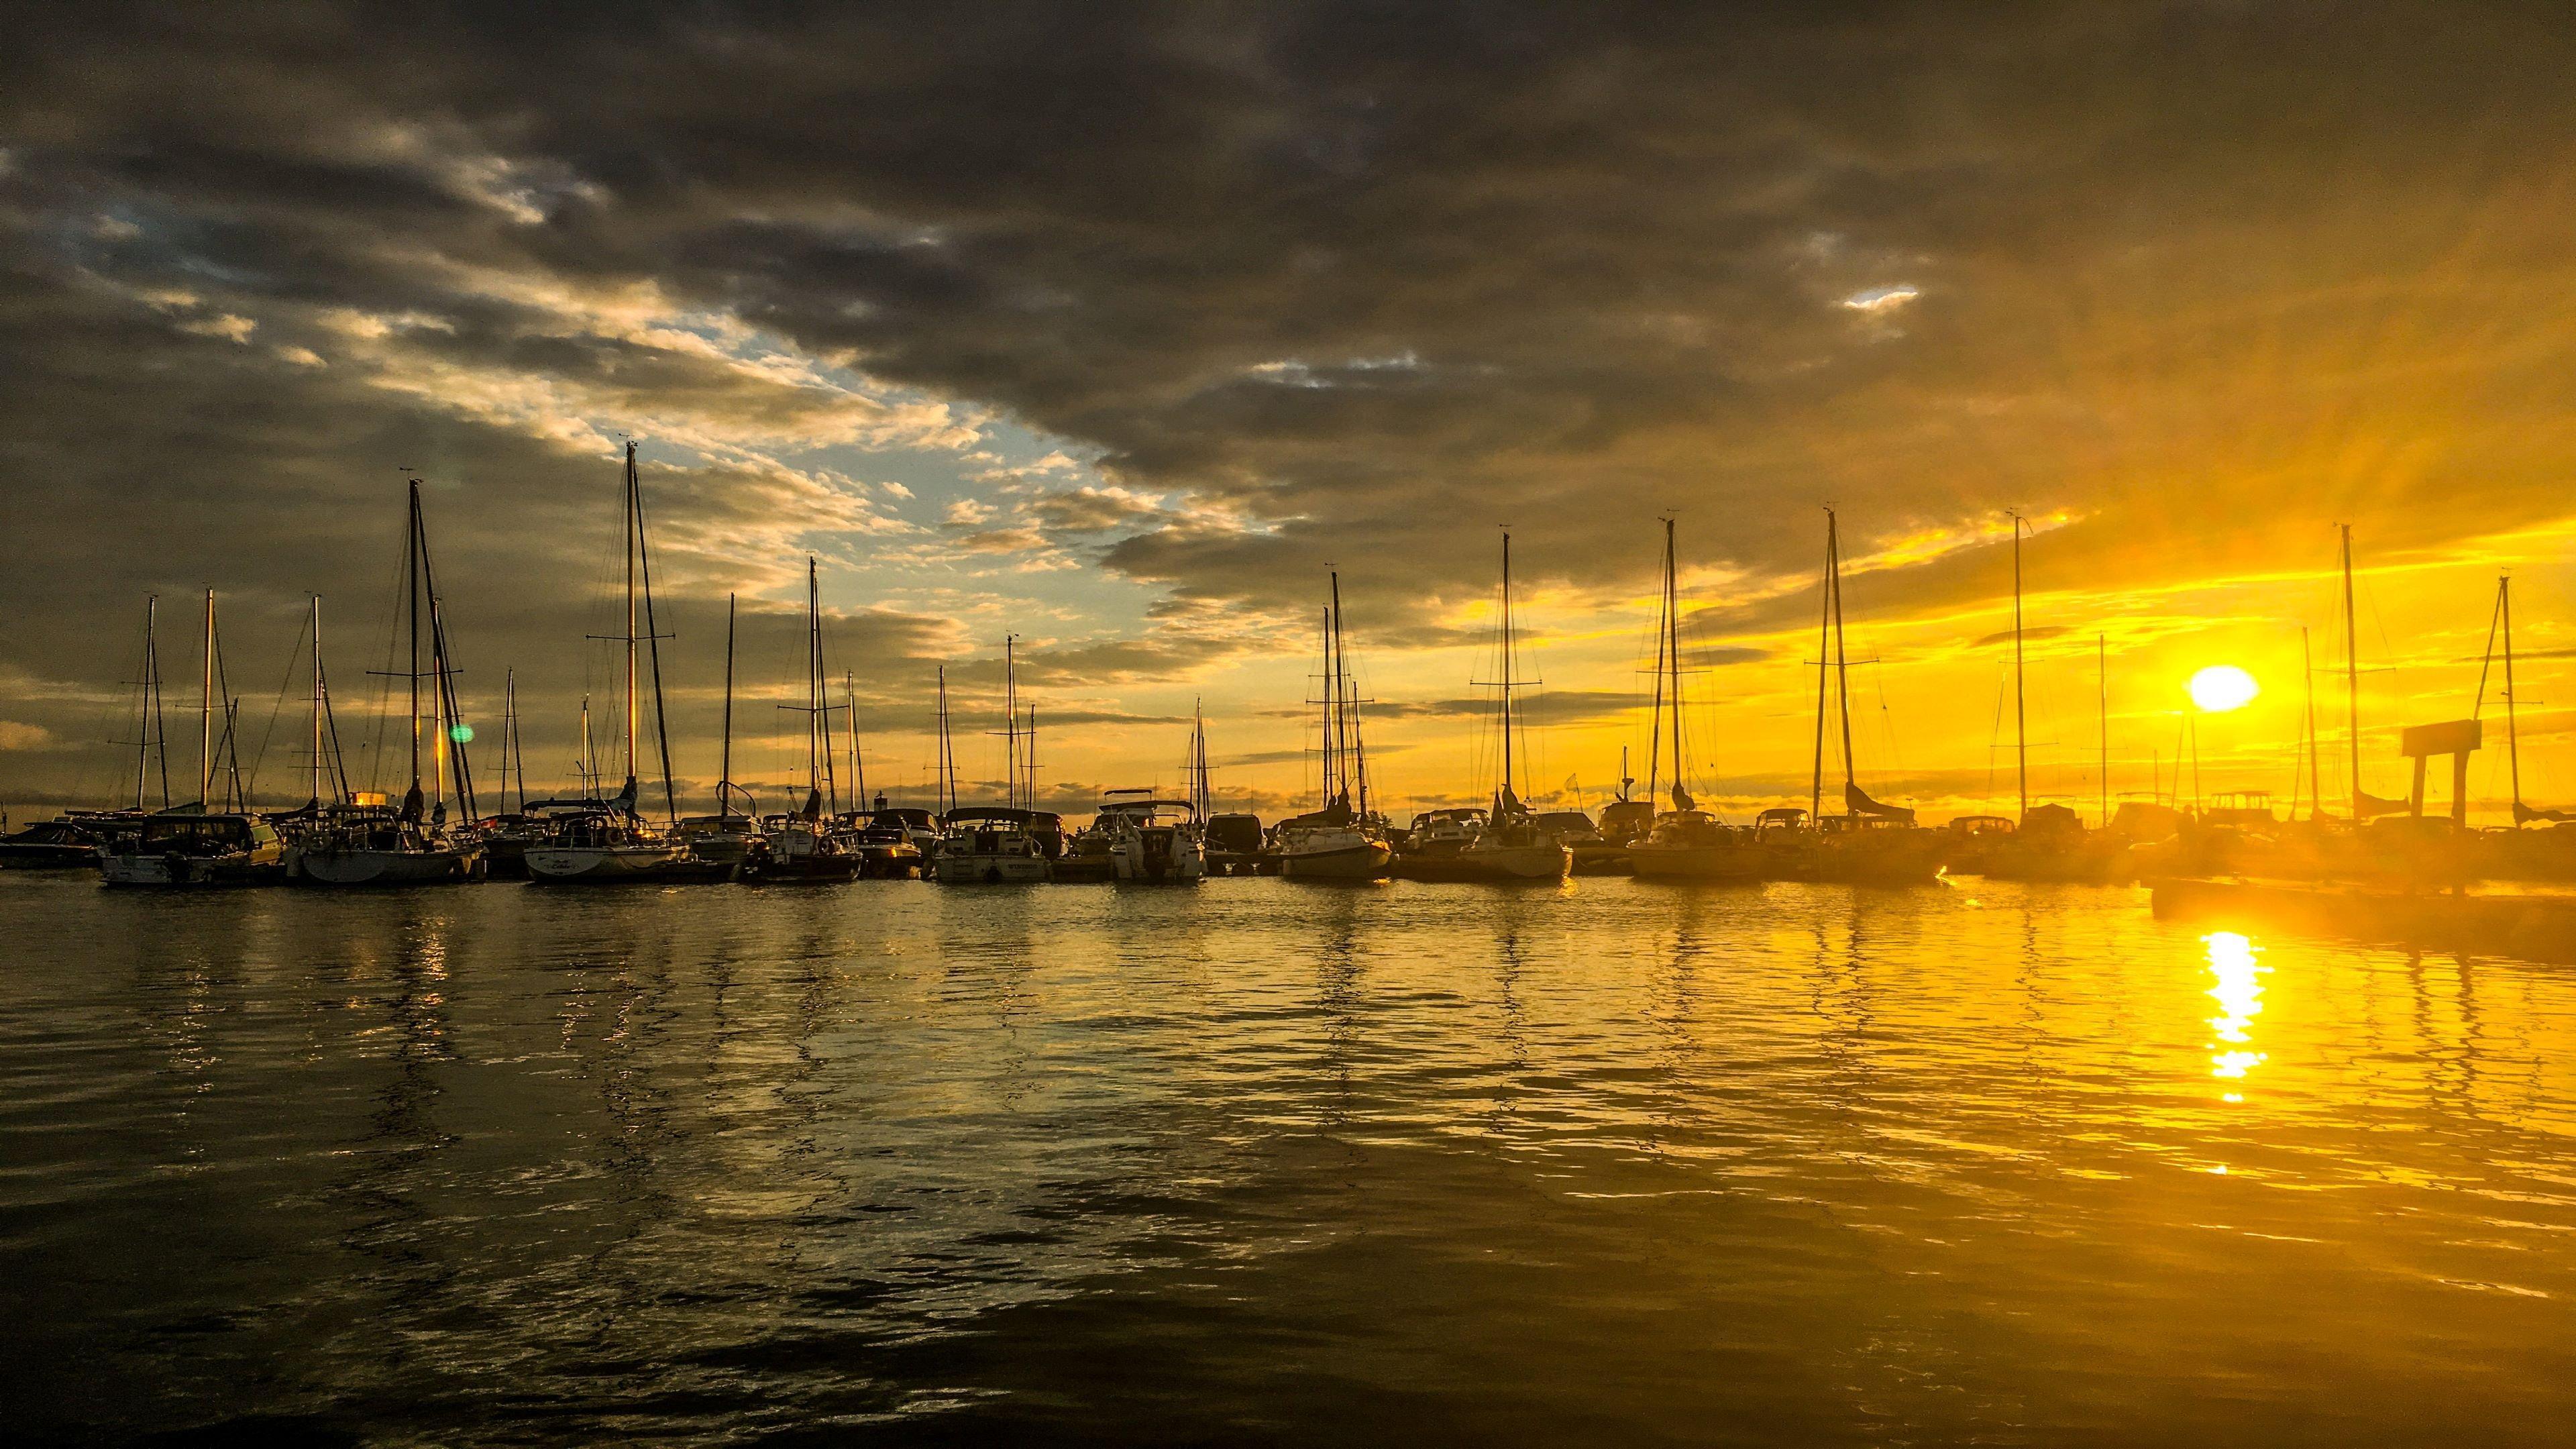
(947, 752)
(2512, 741)
(206, 713)
(439, 742)
(813, 686)
(1842, 654)
(411, 609)
(1673, 659)
(1824, 656)
(2021, 735)
(1337, 744)
(1507, 664)
(1010, 722)
(632, 718)
(724, 767)
(510, 748)
(2351, 675)
(2102, 704)
(2308, 681)
(317, 701)
(151, 711)
(859, 769)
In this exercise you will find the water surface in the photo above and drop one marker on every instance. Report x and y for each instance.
(1262, 1161)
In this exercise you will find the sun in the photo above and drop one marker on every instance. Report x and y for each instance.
(2222, 687)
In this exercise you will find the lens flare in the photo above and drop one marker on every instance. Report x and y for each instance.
(2222, 687)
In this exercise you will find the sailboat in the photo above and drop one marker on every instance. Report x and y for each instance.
(1686, 842)
(2517, 852)
(810, 844)
(2047, 842)
(989, 844)
(610, 842)
(374, 845)
(1511, 846)
(195, 845)
(731, 834)
(1870, 842)
(1341, 839)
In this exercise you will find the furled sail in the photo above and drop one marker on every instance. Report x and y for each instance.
(1857, 801)
(2532, 814)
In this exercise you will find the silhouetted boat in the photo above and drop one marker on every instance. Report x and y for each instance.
(2047, 843)
(810, 846)
(611, 843)
(1512, 847)
(1870, 842)
(349, 844)
(193, 848)
(1685, 842)
(51, 845)
(1342, 838)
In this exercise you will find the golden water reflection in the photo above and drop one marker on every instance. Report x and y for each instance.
(2239, 994)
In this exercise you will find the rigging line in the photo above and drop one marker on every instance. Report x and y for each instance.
(653, 634)
(302, 632)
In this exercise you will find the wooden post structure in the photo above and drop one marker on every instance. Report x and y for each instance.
(2455, 738)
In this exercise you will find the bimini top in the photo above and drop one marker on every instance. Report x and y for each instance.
(987, 814)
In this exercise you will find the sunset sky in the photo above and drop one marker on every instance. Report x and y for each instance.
(1117, 334)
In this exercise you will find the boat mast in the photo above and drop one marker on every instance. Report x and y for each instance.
(510, 747)
(206, 714)
(1824, 656)
(1010, 726)
(947, 780)
(2316, 784)
(1029, 763)
(152, 721)
(2021, 732)
(724, 766)
(1337, 744)
(1842, 657)
(632, 718)
(2102, 707)
(814, 724)
(1507, 669)
(317, 701)
(2351, 675)
(2512, 741)
(858, 769)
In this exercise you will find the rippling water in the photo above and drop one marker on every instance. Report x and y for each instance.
(1262, 1161)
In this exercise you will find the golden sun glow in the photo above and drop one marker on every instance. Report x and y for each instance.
(2222, 687)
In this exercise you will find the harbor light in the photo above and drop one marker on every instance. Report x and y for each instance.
(463, 734)
(2223, 687)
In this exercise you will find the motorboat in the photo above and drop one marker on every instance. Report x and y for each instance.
(1513, 847)
(1152, 840)
(1431, 842)
(893, 843)
(193, 849)
(1592, 855)
(61, 844)
(990, 845)
(1692, 844)
(811, 847)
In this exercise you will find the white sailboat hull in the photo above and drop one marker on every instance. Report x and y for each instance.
(1697, 862)
(994, 869)
(325, 867)
(1548, 861)
(604, 863)
(1359, 859)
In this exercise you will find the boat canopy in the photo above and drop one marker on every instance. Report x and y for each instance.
(988, 815)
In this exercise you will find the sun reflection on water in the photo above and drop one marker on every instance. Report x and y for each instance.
(2239, 994)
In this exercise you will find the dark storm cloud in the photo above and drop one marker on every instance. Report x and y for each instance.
(1336, 286)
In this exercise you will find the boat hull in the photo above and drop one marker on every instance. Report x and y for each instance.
(1514, 863)
(1697, 862)
(382, 867)
(1362, 860)
(621, 865)
(188, 871)
(48, 857)
(991, 869)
